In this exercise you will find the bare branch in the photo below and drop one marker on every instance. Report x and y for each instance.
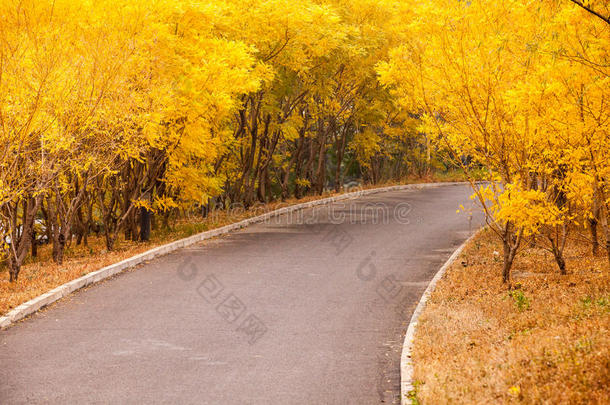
(590, 10)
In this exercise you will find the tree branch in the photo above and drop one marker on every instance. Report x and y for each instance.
(590, 10)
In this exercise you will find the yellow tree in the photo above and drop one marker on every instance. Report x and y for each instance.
(576, 76)
(482, 85)
(294, 42)
(180, 87)
(32, 71)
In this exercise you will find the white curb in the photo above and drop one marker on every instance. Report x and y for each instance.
(57, 293)
(406, 362)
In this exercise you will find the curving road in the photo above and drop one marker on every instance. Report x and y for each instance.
(308, 309)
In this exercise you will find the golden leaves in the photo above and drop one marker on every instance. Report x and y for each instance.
(515, 87)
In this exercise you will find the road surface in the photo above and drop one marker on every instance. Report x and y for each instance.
(310, 308)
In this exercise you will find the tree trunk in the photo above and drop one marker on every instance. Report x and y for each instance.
(21, 240)
(561, 263)
(509, 256)
(110, 239)
(594, 236)
(145, 215)
(340, 153)
(58, 254)
(321, 170)
(34, 244)
(606, 233)
(511, 242)
(52, 223)
(13, 270)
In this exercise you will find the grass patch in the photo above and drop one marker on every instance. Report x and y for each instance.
(521, 301)
(545, 341)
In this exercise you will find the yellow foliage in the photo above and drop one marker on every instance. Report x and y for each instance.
(519, 88)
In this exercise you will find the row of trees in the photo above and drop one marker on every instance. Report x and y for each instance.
(523, 89)
(112, 109)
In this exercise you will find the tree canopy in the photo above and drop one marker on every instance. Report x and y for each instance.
(113, 108)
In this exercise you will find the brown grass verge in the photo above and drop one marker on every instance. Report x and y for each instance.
(41, 274)
(546, 341)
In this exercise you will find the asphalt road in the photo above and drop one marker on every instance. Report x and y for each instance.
(308, 309)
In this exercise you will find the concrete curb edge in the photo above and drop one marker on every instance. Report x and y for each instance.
(35, 304)
(406, 363)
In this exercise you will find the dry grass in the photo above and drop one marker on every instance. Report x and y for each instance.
(546, 341)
